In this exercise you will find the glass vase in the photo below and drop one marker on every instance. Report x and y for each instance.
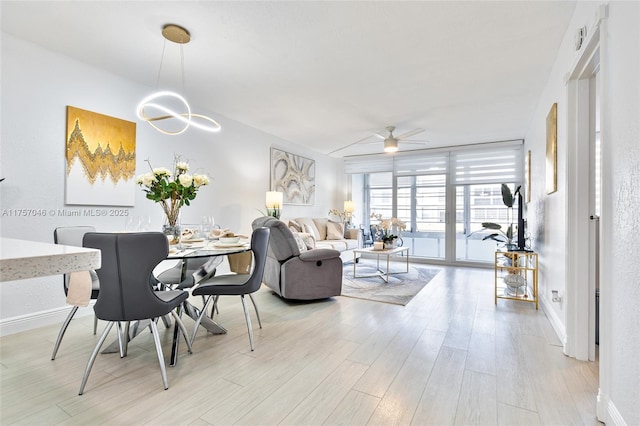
(172, 231)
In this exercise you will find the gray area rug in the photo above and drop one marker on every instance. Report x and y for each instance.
(400, 289)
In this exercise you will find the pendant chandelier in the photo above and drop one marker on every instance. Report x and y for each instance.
(163, 109)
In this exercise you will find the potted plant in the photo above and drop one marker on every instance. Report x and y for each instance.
(500, 236)
(386, 228)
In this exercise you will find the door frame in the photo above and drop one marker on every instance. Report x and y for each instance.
(580, 308)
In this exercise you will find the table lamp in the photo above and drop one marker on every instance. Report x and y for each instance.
(273, 202)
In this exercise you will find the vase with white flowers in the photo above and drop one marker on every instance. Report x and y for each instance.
(386, 229)
(172, 190)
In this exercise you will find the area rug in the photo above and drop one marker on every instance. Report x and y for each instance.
(400, 289)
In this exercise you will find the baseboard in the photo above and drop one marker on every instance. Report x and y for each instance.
(554, 319)
(613, 415)
(35, 320)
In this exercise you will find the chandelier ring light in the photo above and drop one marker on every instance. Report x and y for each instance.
(181, 36)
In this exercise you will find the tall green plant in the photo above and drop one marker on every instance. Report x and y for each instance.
(508, 198)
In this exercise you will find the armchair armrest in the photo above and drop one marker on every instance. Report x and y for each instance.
(318, 254)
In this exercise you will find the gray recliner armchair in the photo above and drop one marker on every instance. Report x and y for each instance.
(294, 272)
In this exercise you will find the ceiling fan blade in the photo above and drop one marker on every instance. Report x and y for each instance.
(351, 144)
(414, 143)
(409, 134)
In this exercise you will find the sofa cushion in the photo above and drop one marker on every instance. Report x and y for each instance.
(335, 230)
(310, 227)
(321, 226)
(340, 245)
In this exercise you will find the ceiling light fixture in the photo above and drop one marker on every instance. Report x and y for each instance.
(390, 144)
(164, 102)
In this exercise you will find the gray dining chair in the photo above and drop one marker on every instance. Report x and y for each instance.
(72, 236)
(237, 284)
(126, 295)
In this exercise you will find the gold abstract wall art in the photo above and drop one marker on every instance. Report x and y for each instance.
(101, 159)
(552, 150)
(294, 176)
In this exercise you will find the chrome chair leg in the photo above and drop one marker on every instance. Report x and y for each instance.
(156, 340)
(248, 318)
(63, 329)
(214, 308)
(256, 308)
(126, 338)
(121, 339)
(95, 324)
(199, 318)
(183, 329)
(166, 321)
(92, 358)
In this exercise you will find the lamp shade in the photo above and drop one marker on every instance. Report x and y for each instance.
(348, 206)
(273, 199)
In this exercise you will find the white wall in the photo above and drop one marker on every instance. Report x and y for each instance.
(622, 206)
(547, 213)
(37, 85)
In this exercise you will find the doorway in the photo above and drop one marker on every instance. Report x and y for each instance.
(586, 185)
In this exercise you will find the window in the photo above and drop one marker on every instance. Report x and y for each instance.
(415, 188)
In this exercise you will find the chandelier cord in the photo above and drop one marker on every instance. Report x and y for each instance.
(182, 67)
(164, 45)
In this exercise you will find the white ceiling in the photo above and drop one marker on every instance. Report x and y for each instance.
(325, 74)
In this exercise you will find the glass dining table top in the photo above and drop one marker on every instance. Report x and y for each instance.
(206, 249)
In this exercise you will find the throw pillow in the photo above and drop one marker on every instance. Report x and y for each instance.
(302, 247)
(309, 226)
(321, 226)
(295, 226)
(308, 239)
(309, 230)
(335, 230)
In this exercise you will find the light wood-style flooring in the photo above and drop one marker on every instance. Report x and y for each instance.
(450, 357)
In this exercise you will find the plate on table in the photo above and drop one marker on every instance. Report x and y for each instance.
(229, 245)
(192, 240)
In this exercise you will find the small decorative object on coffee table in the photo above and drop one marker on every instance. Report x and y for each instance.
(384, 274)
(386, 227)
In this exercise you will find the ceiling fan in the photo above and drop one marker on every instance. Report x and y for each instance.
(390, 141)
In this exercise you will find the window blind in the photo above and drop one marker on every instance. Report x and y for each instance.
(368, 164)
(488, 165)
(420, 164)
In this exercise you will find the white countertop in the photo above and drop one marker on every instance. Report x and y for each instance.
(20, 259)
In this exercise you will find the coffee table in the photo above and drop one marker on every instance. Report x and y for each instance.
(384, 274)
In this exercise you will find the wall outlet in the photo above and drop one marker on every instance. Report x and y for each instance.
(555, 297)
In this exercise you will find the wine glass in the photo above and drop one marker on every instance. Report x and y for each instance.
(133, 223)
(207, 223)
(145, 223)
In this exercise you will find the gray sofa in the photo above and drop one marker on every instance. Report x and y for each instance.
(293, 271)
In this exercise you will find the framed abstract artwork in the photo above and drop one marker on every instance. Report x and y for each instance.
(294, 176)
(100, 154)
(552, 150)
